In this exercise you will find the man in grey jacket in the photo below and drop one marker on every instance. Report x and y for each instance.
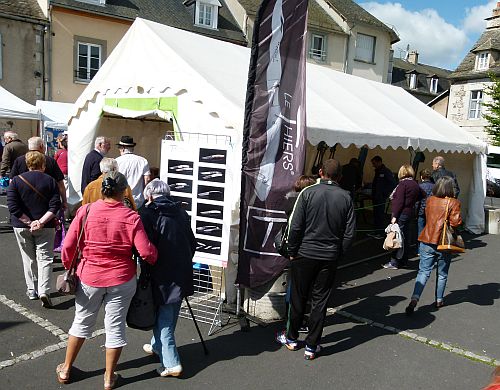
(322, 227)
(14, 148)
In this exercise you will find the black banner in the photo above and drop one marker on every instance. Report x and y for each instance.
(274, 135)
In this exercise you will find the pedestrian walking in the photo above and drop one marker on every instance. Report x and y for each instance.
(382, 186)
(134, 167)
(61, 156)
(13, 148)
(167, 225)
(321, 230)
(439, 171)
(106, 272)
(404, 197)
(91, 170)
(442, 199)
(426, 185)
(33, 201)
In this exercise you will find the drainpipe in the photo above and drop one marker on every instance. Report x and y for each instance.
(49, 59)
(346, 62)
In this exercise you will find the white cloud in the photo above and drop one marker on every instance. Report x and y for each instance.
(474, 17)
(438, 42)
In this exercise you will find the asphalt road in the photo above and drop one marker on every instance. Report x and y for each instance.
(368, 341)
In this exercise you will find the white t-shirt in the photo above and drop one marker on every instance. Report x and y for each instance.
(134, 168)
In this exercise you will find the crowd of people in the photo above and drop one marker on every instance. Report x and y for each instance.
(126, 209)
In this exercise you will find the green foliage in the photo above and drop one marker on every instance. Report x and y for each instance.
(493, 115)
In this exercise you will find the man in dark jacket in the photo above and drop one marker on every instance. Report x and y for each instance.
(439, 171)
(383, 184)
(167, 226)
(91, 169)
(13, 148)
(321, 229)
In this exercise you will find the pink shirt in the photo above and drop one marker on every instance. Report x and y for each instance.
(61, 157)
(110, 233)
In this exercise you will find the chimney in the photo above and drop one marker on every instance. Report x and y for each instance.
(413, 57)
(494, 20)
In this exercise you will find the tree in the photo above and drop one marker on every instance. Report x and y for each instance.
(493, 114)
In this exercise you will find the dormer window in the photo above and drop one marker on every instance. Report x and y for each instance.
(412, 80)
(482, 60)
(207, 13)
(433, 88)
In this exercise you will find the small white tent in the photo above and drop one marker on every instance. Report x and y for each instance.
(12, 107)
(207, 79)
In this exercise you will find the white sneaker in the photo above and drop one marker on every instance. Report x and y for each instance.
(170, 371)
(148, 348)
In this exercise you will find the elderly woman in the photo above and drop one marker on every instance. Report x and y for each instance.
(443, 197)
(33, 201)
(404, 197)
(167, 225)
(106, 272)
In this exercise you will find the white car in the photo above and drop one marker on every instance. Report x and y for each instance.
(493, 164)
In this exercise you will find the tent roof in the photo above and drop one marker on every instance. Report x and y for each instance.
(152, 59)
(55, 114)
(12, 107)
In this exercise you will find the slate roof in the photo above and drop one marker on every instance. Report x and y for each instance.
(424, 74)
(353, 12)
(24, 8)
(490, 41)
(169, 12)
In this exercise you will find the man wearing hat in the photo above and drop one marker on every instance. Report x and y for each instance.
(91, 169)
(135, 168)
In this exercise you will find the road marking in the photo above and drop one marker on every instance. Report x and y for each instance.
(47, 325)
(419, 339)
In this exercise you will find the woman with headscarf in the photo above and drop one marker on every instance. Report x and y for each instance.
(168, 226)
(106, 272)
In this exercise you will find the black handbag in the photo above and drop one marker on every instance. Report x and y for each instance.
(142, 311)
(281, 242)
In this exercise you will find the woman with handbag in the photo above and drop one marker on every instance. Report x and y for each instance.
(167, 225)
(441, 210)
(33, 200)
(106, 272)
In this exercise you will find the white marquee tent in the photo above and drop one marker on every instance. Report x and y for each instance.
(12, 107)
(208, 79)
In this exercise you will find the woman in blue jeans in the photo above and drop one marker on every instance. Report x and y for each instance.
(440, 207)
(168, 227)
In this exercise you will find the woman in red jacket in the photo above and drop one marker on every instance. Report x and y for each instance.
(106, 272)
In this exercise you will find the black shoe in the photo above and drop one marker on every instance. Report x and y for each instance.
(411, 307)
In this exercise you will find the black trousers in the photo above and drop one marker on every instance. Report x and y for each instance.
(314, 277)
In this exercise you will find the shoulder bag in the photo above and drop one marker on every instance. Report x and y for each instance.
(450, 241)
(66, 283)
(281, 242)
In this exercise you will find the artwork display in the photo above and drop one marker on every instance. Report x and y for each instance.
(197, 175)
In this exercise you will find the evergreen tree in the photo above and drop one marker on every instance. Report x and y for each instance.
(493, 114)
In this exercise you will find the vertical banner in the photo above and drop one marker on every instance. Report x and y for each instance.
(274, 135)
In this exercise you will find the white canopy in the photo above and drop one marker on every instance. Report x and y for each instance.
(154, 60)
(12, 107)
(55, 114)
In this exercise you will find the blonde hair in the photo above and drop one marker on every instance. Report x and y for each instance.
(406, 170)
(35, 160)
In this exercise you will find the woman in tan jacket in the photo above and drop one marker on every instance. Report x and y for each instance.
(435, 214)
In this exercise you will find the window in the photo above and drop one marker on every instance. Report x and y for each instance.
(476, 98)
(207, 13)
(318, 47)
(365, 48)
(482, 61)
(434, 85)
(412, 80)
(89, 55)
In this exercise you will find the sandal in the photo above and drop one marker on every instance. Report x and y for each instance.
(59, 371)
(112, 383)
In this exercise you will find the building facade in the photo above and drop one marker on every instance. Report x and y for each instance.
(341, 35)
(83, 34)
(22, 31)
(471, 79)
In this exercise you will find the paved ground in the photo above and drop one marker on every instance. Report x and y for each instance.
(369, 342)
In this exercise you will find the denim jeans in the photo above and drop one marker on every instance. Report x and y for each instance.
(429, 256)
(163, 340)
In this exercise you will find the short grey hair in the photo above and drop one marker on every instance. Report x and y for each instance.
(156, 188)
(101, 140)
(439, 161)
(11, 134)
(35, 143)
(108, 164)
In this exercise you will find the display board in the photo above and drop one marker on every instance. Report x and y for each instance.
(198, 176)
(50, 138)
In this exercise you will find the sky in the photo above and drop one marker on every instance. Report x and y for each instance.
(442, 31)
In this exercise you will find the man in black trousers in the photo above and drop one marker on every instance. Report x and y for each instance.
(321, 229)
